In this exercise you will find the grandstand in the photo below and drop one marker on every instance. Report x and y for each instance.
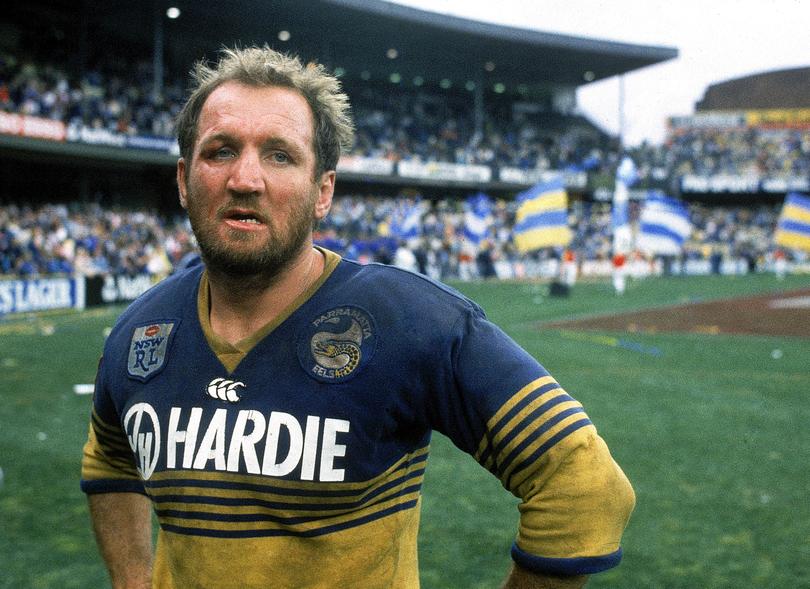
(445, 108)
(482, 75)
(748, 141)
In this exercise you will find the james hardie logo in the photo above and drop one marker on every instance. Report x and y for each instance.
(224, 390)
(143, 432)
(337, 344)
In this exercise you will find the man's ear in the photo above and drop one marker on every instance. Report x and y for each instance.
(181, 182)
(326, 190)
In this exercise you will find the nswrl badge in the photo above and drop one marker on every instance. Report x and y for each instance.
(147, 350)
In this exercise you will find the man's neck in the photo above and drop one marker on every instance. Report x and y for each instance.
(237, 310)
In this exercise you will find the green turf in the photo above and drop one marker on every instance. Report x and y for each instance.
(711, 431)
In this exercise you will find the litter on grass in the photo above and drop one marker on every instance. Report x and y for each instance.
(83, 389)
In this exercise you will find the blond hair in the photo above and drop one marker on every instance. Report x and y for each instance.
(265, 67)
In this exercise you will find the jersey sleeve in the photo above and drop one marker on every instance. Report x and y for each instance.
(521, 425)
(108, 465)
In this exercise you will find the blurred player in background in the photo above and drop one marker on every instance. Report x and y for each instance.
(780, 264)
(569, 267)
(619, 262)
(274, 404)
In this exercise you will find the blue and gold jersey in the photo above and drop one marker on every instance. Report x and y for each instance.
(297, 456)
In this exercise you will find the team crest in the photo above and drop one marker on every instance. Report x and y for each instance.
(147, 350)
(337, 344)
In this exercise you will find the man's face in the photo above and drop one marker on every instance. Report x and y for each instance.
(250, 188)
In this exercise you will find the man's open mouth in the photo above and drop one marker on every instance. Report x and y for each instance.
(243, 216)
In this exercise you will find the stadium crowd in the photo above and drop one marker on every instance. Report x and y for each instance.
(412, 123)
(90, 239)
(122, 102)
(774, 152)
(431, 127)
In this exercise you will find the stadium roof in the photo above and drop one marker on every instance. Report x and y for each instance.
(444, 45)
(780, 89)
(357, 36)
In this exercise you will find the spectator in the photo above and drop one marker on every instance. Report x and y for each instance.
(405, 258)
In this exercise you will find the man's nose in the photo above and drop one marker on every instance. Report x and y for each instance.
(246, 174)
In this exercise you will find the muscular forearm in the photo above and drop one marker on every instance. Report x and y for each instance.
(522, 579)
(122, 523)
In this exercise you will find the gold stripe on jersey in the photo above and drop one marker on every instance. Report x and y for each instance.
(543, 447)
(268, 494)
(235, 505)
(269, 508)
(533, 421)
(492, 423)
(330, 496)
(111, 429)
(110, 437)
(522, 467)
(232, 526)
(231, 496)
(417, 457)
(100, 463)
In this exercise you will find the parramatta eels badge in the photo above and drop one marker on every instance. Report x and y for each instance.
(337, 344)
(148, 347)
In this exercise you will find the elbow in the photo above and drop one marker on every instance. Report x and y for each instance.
(574, 521)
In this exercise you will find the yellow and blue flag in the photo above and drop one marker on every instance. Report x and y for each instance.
(793, 227)
(542, 217)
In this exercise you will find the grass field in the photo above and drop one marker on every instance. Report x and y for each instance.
(712, 431)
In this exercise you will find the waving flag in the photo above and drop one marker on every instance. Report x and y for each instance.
(406, 221)
(793, 227)
(663, 225)
(542, 217)
(477, 217)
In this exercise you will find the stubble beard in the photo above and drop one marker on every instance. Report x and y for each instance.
(253, 267)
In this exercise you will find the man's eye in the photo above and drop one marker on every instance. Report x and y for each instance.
(223, 153)
(280, 157)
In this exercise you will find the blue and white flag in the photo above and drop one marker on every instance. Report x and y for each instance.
(793, 227)
(664, 225)
(406, 220)
(542, 217)
(477, 217)
(626, 176)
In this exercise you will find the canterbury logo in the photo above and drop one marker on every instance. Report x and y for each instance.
(224, 390)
